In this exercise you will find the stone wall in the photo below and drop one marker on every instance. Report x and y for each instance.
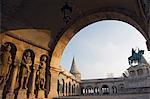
(24, 70)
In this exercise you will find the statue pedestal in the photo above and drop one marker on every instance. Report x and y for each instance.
(41, 94)
(22, 94)
(31, 96)
(1, 94)
(10, 95)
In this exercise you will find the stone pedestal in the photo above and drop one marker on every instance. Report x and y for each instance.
(1, 94)
(41, 94)
(53, 88)
(10, 95)
(22, 94)
(31, 96)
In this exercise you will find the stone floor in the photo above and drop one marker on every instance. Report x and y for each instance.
(119, 96)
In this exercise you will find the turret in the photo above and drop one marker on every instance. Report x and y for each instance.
(74, 70)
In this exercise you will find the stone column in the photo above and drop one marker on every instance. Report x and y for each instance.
(64, 94)
(148, 41)
(148, 45)
(32, 95)
(78, 91)
(110, 90)
(11, 95)
(53, 83)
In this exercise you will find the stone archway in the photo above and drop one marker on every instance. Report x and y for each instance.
(81, 22)
(97, 15)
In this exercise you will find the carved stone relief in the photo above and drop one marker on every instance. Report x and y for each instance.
(40, 81)
(5, 62)
(25, 69)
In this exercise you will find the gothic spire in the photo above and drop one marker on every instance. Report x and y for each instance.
(74, 69)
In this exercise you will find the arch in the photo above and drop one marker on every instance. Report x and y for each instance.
(96, 90)
(132, 73)
(63, 86)
(72, 89)
(58, 87)
(121, 87)
(140, 72)
(82, 90)
(69, 90)
(97, 15)
(7, 64)
(32, 54)
(66, 89)
(24, 75)
(105, 89)
(13, 50)
(114, 89)
(90, 90)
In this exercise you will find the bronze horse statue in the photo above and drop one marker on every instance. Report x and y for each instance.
(136, 56)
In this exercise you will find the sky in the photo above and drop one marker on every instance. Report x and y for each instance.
(102, 49)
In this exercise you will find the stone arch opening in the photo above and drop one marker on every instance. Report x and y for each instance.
(105, 89)
(114, 89)
(68, 34)
(7, 63)
(65, 37)
(25, 75)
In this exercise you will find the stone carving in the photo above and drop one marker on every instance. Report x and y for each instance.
(6, 61)
(0, 55)
(25, 69)
(40, 82)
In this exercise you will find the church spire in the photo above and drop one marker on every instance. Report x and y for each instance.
(74, 70)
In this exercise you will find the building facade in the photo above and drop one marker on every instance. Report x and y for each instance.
(25, 73)
(134, 82)
(34, 34)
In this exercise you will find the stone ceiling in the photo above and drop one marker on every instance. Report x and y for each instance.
(47, 15)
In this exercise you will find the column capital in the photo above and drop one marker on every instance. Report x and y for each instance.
(54, 70)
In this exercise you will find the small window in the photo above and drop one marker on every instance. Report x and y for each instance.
(105, 89)
(148, 71)
(114, 89)
(132, 73)
(121, 87)
(140, 72)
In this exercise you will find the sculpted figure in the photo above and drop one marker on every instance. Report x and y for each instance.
(6, 60)
(26, 69)
(0, 55)
(41, 73)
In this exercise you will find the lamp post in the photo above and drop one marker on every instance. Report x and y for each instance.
(66, 10)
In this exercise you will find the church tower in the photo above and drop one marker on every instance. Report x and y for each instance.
(74, 70)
